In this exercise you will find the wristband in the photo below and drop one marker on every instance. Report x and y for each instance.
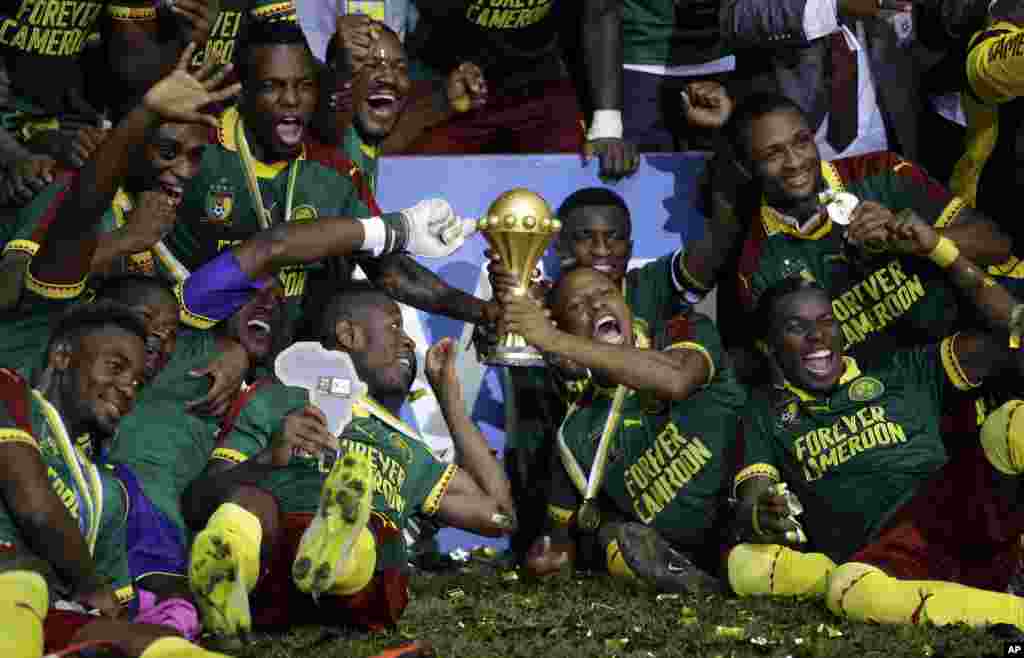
(397, 226)
(606, 124)
(944, 253)
(375, 235)
(1016, 315)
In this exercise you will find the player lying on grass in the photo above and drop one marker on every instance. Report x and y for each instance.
(63, 517)
(268, 509)
(649, 437)
(917, 537)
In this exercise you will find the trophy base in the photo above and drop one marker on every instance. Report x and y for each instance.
(524, 356)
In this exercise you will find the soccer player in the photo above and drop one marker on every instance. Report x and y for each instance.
(596, 233)
(918, 537)
(62, 517)
(649, 437)
(257, 175)
(263, 486)
(880, 298)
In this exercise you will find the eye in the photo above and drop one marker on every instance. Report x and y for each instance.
(168, 151)
(115, 367)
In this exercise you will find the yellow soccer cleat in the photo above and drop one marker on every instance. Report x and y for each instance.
(176, 647)
(344, 510)
(219, 584)
(24, 600)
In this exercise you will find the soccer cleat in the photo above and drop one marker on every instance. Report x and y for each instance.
(215, 575)
(343, 513)
(654, 561)
(24, 599)
(176, 647)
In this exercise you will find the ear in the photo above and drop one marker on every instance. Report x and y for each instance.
(60, 357)
(351, 336)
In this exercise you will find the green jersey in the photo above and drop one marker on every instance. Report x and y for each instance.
(26, 232)
(667, 461)
(899, 301)
(409, 479)
(854, 456)
(297, 485)
(653, 296)
(667, 33)
(231, 18)
(93, 497)
(218, 210)
(365, 157)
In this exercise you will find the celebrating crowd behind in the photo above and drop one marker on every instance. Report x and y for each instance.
(195, 269)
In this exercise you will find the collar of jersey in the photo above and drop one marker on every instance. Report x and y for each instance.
(366, 406)
(640, 341)
(850, 372)
(352, 136)
(122, 205)
(776, 222)
(226, 137)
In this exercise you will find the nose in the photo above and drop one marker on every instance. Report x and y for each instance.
(290, 96)
(791, 158)
(601, 245)
(128, 385)
(407, 342)
(185, 168)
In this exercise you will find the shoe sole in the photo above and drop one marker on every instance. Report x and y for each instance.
(215, 577)
(343, 513)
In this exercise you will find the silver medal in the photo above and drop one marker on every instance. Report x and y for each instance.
(839, 206)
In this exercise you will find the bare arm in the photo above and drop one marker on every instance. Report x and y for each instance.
(602, 51)
(978, 238)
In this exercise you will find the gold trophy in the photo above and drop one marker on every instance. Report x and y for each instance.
(519, 226)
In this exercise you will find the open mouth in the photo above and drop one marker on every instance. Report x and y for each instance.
(290, 130)
(259, 328)
(175, 193)
(821, 362)
(608, 330)
(383, 103)
(408, 364)
(800, 180)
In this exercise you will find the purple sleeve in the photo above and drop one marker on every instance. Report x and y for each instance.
(216, 290)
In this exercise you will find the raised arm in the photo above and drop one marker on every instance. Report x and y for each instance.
(480, 496)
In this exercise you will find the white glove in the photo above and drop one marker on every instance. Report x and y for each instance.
(434, 230)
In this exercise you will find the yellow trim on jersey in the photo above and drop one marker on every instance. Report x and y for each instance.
(125, 594)
(369, 151)
(850, 372)
(188, 317)
(951, 364)
(170, 262)
(131, 14)
(226, 136)
(275, 12)
(1011, 269)
(775, 222)
(759, 470)
(23, 246)
(433, 501)
(697, 347)
(367, 406)
(832, 178)
(53, 290)
(950, 212)
(14, 435)
(229, 455)
(122, 206)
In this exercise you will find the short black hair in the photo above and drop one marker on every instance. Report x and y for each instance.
(769, 299)
(84, 319)
(588, 197)
(751, 108)
(265, 33)
(132, 289)
(349, 303)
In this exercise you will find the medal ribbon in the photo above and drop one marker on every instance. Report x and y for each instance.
(387, 417)
(249, 166)
(590, 485)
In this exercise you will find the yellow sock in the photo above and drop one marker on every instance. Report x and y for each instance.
(176, 647)
(616, 563)
(24, 600)
(770, 569)
(866, 593)
(357, 571)
(245, 526)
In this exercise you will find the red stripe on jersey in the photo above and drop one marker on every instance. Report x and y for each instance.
(885, 163)
(750, 261)
(333, 158)
(14, 391)
(68, 179)
(679, 329)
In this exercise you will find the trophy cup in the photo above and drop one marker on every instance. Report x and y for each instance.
(519, 226)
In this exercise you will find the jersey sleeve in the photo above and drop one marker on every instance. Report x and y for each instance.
(692, 331)
(26, 231)
(995, 63)
(216, 290)
(15, 411)
(131, 11)
(759, 453)
(428, 479)
(259, 420)
(932, 368)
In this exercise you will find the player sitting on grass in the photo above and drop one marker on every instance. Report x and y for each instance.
(267, 508)
(917, 537)
(650, 434)
(62, 516)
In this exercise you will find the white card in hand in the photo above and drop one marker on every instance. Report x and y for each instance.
(328, 375)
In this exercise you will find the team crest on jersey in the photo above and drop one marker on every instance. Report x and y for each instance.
(220, 201)
(399, 444)
(303, 214)
(866, 389)
(788, 415)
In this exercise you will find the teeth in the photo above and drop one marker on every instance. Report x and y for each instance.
(820, 354)
(603, 268)
(259, 324)
(383, 97)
